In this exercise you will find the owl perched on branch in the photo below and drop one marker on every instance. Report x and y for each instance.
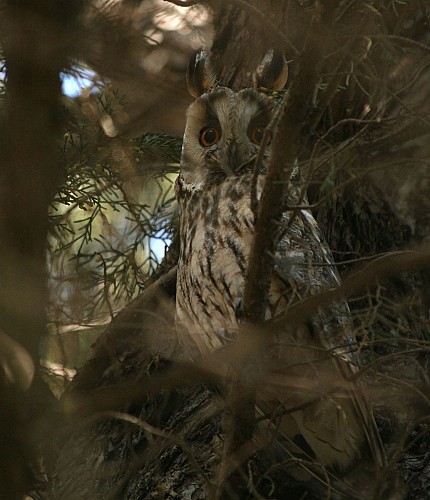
(313, 362)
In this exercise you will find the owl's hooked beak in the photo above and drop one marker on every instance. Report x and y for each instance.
(236, 159)
(233, 157)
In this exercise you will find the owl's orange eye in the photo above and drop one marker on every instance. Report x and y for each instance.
(209, 136)
(257, 136)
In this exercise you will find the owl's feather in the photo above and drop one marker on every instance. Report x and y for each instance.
(313, 364)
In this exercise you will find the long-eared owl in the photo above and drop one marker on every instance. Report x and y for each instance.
(223, 134)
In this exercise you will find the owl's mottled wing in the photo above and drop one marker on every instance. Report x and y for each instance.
(316, 361)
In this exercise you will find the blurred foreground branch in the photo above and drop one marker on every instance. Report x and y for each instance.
(35, 45)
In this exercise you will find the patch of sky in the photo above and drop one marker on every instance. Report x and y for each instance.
(73, 84)
(159, 245)
(2, 76)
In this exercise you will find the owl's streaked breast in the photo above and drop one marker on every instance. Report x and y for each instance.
(217, 230)
(216, 235)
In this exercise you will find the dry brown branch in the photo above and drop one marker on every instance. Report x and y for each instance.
(139, 321)
(36, 45)
(184, 3)
(285, 149)
(381, 268)
(122, 394)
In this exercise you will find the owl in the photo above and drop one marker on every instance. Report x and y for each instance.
(313, 363)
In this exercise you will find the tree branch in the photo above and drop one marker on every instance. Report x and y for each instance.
(379, 269)
(35, 44)
(184, 3)
(285, 149)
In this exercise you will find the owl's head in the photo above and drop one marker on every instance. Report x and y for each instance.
(225, 129)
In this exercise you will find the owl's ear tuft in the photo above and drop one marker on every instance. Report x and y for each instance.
(272, 73)
(200, 76)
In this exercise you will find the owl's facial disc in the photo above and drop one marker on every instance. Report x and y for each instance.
(223, 134)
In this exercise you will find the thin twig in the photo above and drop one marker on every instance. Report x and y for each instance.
(184, 3)
(286, 145)
(269, 132)
(379, 269)
(404, 40)
(260, 266)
